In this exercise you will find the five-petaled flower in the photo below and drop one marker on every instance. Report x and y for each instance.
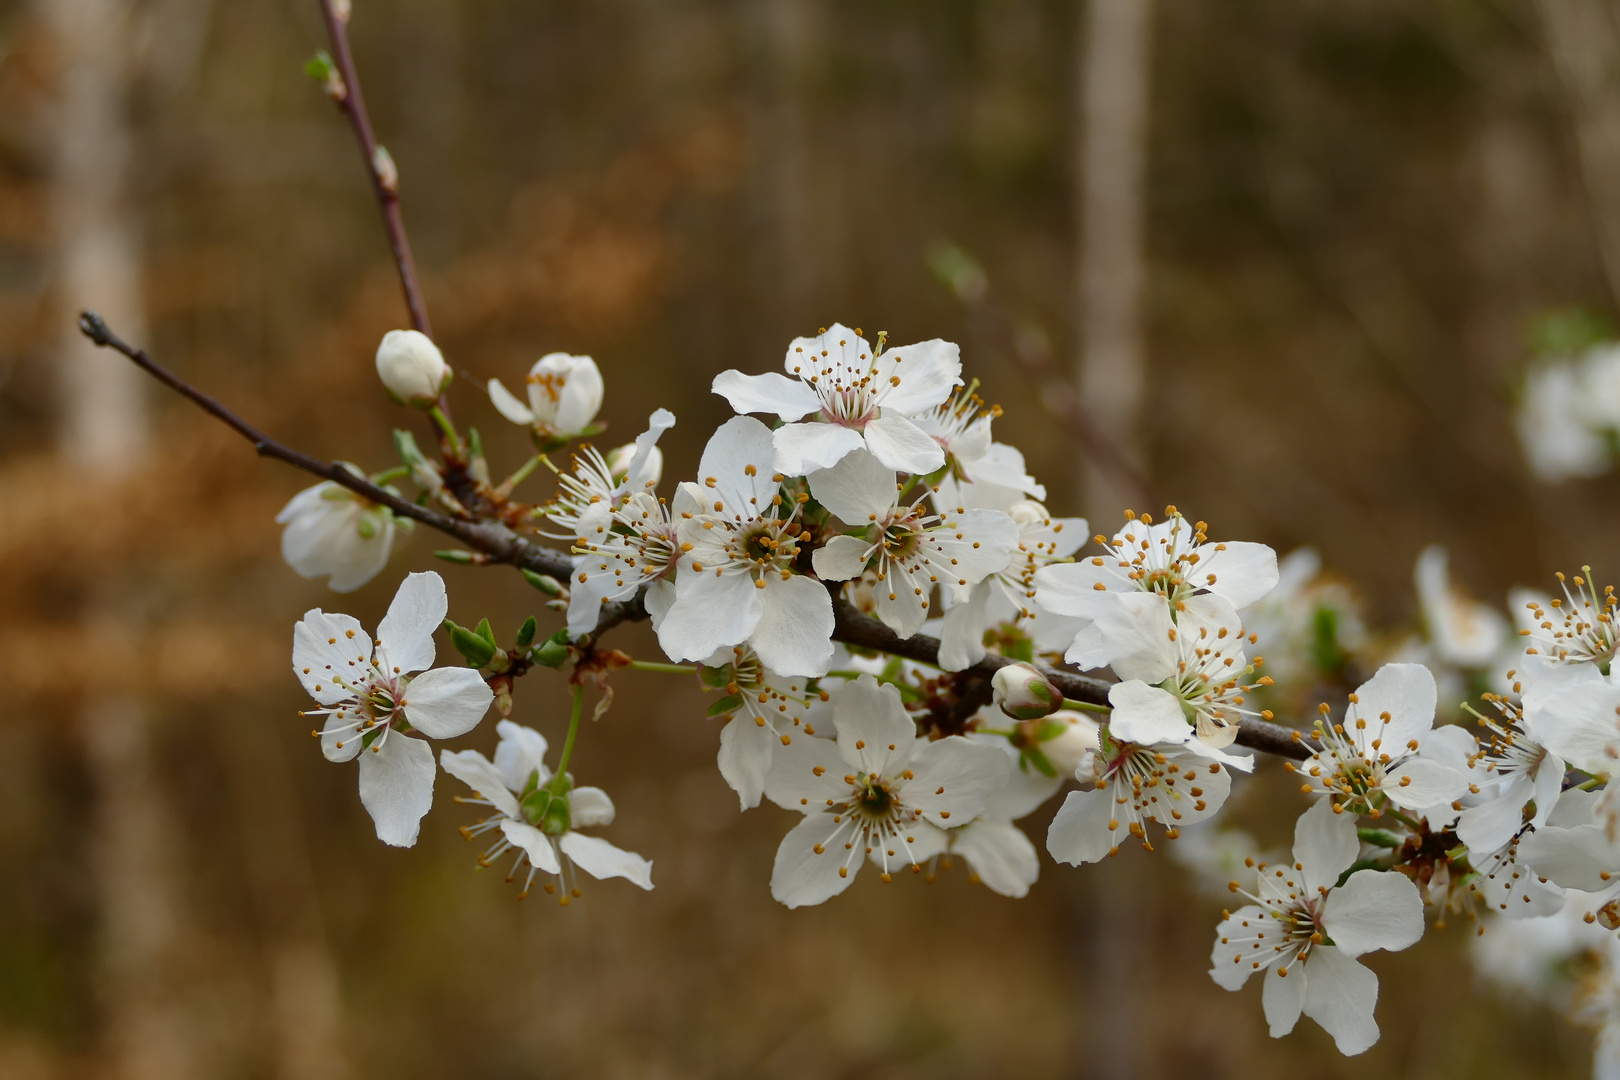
(564, 394)
(855, 396)
(1304, 931)
(373, 701)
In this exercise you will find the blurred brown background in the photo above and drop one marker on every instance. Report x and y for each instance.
(1350, 214)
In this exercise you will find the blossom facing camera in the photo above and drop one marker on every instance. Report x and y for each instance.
(375, 704)
(412, 369)
(565, 393)
(1023, 693)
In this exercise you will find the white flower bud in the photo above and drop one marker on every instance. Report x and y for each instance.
(1075, 745)
(411, 368)
(1027, 512)
(1023, 693)
(620, 458)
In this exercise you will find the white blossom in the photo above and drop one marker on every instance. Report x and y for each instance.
(910, 549)
(564, 393)
(411, 368)
(767, 710)
(1463, 631)
(1557, 440)
(1173, 558)
(855, 396)
(372, 700)
(961, 426)
(1370, 761)
(1580, 628)
(869, 794)
(1512, 771)
(539, 815)
(1304, 932)
(1172, 783)
(334, 533)
(737, 579)
(1008, 595)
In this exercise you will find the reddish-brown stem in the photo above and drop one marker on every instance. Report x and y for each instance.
(500, 544)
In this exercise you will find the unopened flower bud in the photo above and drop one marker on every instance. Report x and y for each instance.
(1028, 512)
(412, 369)
(1074, 745)
(1023, 693)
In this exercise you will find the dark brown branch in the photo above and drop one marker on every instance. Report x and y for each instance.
(501, 544)
(385, 186)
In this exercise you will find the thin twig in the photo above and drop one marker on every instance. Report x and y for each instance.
(384, 181)
(501, 544)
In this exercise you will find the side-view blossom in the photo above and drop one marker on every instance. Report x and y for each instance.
(334, 533)
(373, 701)
(764, 711)
(1304, 931)
(1580, 628)
(596, 485)
(1008, 595)
(1172, 783)
(1512, 771)
(564, 394)
(961, 426)
(539, 814)
(869, 794)
(910, 548)
(1371, 761)
(854, 395)
(1174, 558)
(412, 369)
(1463, 631)
(737, 580)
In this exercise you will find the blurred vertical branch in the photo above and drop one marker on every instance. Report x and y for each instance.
(1583, 38)
(1112, 81)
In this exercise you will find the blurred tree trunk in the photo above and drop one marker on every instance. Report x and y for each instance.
(1583, 38)
(104, 429)
(1113, 82)
(1114, 52)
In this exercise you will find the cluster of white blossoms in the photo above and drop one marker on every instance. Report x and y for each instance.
(887, 616)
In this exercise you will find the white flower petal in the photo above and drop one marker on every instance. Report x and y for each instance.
(953, 776)
(1079, 832)
(507, 404)
(588, 806)
(1418, 784)
(1326, 844)
(396, 786)
(1578, 724)
(1340, 994)
(581, 393)
(480, 774)
(1000, 854)
(446, 702)
(520, 754)
(804, 448)
(1283, 997)
(792, 780)
(915, 378)
(840, 558)
(1146, 714)
(328, 648)
(747, 749)
(1373, 910)
(961, 639)
(788, 398)
(1231, 961)
(340, 741)
(794, 633)
(902, 445)
(533, 843)
(1580, 858)
(801, 875)
(1406, 692)
(1139, 636)
(406, 632)
(710, 611)
(858, 489)
(1240, 572)
(874, 732)
(602, 860)
(1492, 823)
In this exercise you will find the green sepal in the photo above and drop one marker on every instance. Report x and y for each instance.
(1379, 838)
(1033, 756)
(727, 704)
(469, 644)
(485, 631)
(717, 677)
(474, 443)
(595, 428)
(409, 453)
(544, 582)
(546, 807)
(525, 633)
(1051, 730)
(1020, 649)
(369, 737)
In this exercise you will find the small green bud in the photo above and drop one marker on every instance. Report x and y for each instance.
(460, 558)
(1023, 693)
(544, 582)
(525, 633)
(469, 644)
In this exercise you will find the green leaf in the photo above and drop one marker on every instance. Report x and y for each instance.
(729, 703)
(485, 631)
(526, 632)
(553, 652)
(409, 453)
(477, 651)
